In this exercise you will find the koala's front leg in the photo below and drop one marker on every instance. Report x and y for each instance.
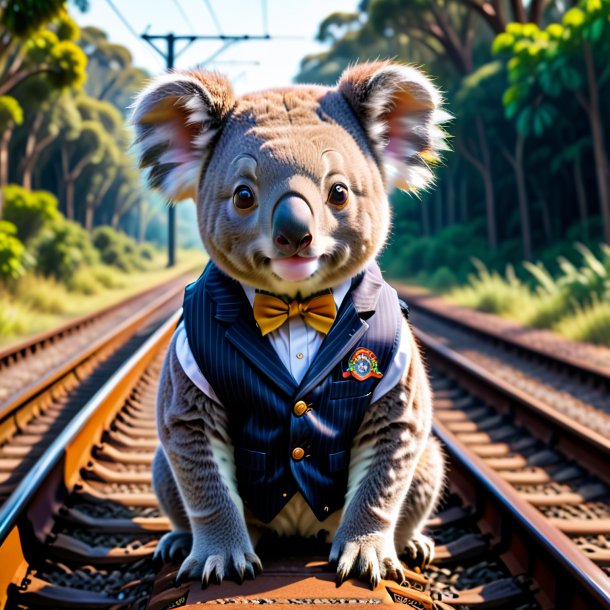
(383, 459)
(189, 423)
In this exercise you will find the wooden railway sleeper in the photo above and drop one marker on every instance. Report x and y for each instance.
(104, 450)
(96, 470)
(137, 525)
(120, 439)
(68, 548)
(143, 500)
(134, 431)
(37, 593)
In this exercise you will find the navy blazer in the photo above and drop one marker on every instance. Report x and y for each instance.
(281, 447)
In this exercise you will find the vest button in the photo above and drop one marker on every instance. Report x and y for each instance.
(299, 408)
(298, 453)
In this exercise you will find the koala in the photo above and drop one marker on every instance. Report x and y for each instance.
(293, 397)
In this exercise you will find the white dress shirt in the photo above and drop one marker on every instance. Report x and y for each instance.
(296, 343)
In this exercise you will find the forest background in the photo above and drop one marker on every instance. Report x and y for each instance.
(518, 222)
(515, 224)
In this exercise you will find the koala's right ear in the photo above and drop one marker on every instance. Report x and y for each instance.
(176, 119)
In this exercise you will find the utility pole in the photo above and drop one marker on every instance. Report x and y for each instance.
(169, 55)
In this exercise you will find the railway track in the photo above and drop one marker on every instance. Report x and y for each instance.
(67, 367)
(82, 529)
(572, 378)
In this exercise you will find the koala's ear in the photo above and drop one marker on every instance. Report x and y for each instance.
(399, 108)
(176, 119)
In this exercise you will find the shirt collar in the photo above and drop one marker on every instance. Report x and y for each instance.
(339, 292)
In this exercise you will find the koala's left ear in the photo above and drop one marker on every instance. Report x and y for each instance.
(399, 108)
(176, 119)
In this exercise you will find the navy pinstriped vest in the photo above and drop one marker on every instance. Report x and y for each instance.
(252, 383)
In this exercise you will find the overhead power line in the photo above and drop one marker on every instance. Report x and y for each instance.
(213, 15)
(265, 17)
(188, 22)
(124, 21)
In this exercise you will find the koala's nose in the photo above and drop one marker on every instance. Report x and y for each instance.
(292, 225)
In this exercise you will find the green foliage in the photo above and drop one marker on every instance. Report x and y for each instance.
(117, 249)
(23, 17)
(335, 21)
(69, 65)
(64, 60)
(29, 211)
(11, 112)
(589, 323)
(62, 248)
(546, 65)
(424, 256)
(67, 28)
(42, 294)
(14, 320)
(14, 260)
(574, 302)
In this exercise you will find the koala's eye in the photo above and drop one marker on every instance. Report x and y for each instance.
(243, 198)
(338, 194)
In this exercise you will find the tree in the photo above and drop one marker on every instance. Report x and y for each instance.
(11, 114)
(76, 155)
(478, 112)
(112, 75)
(442, 27)
(562, 61)
(46, 52)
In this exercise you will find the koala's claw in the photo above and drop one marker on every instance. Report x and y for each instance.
(419, 551)
(173, 547)
(365, 560)
(214, 568)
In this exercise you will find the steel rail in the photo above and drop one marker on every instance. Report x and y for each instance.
(587, 447)
(22, 348)
(62, 460)
(116, 335)
(579, 583)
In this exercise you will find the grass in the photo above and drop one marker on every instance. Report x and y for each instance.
(36, 303)
(574, 302)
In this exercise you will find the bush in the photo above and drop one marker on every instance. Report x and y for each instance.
(84, 282)
(442, 280)
(62, 249)
(117, 249)
(29, 211)
(13, 319)
(490, 292)
(14, 258)
(109, 277)
(590, 323)
(147, 252)
(42, 294)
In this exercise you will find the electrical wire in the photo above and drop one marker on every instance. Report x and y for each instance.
(188, 22)
(213, 15)
(126, 23)
(265, 17)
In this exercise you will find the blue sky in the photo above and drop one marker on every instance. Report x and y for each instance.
(268, 63)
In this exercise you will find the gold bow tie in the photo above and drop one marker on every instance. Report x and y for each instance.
(271, 312)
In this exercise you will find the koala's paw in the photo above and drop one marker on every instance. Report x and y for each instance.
(419, 551)
(370, 558)
(173, 547)
(212, 565)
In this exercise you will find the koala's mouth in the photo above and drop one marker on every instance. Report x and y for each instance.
(295, 268)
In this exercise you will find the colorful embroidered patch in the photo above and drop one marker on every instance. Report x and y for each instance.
(362, 365)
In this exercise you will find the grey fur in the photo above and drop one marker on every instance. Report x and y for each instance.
(187, 421)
